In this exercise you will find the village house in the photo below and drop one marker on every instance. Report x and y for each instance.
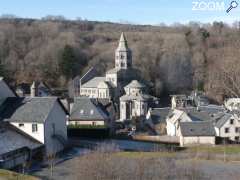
(190, 114)
(180, 101)
(174, 118)
(42, 118)
(16, 147)
(39, 89)
(199, 98)
(227, 125)
(195, 133)
(88, 111)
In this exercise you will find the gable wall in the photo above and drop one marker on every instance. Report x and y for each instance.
(27, 128)
(57, 117)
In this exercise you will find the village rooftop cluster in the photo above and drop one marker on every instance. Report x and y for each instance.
(35, 122)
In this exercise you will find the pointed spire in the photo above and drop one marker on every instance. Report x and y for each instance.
(123, 42)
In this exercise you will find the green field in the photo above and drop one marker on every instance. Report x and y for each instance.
(9, 175)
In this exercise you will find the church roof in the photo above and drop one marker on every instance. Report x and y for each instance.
(122, 46)
(139, 97)
(135, 84)
(93, 83)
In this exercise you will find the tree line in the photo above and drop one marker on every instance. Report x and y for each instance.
(175, 59)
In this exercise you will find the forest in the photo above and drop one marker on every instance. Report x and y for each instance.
(175, 59)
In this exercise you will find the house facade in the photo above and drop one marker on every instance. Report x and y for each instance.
(42, 118)
(227, 125)
(173, 121)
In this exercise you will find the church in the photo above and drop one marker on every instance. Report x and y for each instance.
(122, 84)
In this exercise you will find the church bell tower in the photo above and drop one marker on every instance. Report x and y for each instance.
(123, 55)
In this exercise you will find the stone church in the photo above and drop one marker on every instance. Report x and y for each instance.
(122, 84)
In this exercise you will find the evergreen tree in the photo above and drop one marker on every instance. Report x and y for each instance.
(68, 62)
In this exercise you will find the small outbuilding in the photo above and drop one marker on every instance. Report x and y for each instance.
(194, 133)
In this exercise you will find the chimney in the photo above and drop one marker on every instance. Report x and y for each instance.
(33, 89)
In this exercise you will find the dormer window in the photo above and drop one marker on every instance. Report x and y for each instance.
(21, 125)
(92, 111)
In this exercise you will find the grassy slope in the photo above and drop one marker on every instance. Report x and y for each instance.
(9, 175)
(232, 153)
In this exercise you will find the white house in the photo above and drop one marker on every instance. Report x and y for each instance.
(195, 133)
(173, 120)
(190, 114)
(227, 125)
(42, 118)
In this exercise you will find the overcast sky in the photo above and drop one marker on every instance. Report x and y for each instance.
(134, 11)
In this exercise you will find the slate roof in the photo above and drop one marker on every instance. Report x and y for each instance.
(11, 139)
(219, 122)
(28, 109)
(196, 115)
(135, 84)
(122, 46)
(93, 83)
(211, 109)
(85, 109)
(199, 128)
(159, 115)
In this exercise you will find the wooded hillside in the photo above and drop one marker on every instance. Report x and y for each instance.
(175, 59)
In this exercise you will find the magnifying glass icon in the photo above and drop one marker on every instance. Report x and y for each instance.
(233, 5)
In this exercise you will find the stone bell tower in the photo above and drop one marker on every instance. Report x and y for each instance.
(123, 55)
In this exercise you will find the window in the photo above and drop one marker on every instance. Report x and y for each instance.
(20, 125)
(81, 111)
(231, 121)
(236, 129)
(236, 138)
(34, 128)
(226, 130)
